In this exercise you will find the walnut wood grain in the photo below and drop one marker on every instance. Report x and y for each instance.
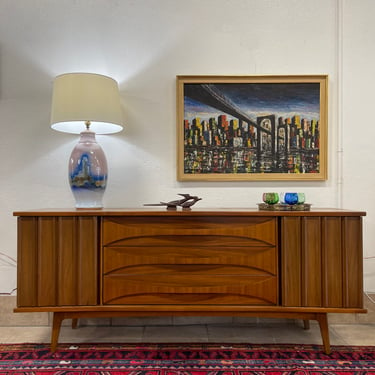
(291, 261)
(352, 263)
(184, 286)
(321, 261)
(58, 261)
(196, 212)
(252, 259)
(332, 262)
(260, 230)
(311, 261)
(241, 262)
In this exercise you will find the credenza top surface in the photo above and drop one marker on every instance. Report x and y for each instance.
(161, 211)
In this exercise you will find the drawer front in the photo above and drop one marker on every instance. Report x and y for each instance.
(181, 284)
(243, 260)
(190, 260)
(212, 231)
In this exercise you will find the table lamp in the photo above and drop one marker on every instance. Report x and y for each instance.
(86, 104)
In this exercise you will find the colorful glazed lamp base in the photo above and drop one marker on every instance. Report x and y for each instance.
(88, 172)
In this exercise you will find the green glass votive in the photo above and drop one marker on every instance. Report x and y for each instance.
(270, 198)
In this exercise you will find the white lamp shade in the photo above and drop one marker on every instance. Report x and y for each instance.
(81, 97)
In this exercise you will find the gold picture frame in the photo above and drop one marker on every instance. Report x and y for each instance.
(243, 128)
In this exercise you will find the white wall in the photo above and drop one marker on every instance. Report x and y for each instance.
(358, 128)
(144, 44)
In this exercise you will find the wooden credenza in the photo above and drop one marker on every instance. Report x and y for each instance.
(129, 262)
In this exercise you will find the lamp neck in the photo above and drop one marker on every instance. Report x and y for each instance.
(87, 136)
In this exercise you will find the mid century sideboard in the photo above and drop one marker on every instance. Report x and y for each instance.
(153, 262)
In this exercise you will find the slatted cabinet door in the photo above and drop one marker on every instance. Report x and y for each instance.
(321, 259)
(57, 261)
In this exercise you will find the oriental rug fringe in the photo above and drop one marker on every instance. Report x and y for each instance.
(185, 359)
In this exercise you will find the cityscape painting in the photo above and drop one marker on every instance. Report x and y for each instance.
(252, 128)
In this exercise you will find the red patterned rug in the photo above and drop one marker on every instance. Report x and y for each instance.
(184, 359)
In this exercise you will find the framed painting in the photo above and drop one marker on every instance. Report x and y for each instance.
(233, 128)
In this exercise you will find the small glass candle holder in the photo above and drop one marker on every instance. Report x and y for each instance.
(270, 198)
(291, 198)
(301, 198)
(282, 198)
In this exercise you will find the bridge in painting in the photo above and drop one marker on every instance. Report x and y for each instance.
(208, 94)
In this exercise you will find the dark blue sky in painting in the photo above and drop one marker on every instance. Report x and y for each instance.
(280, 99)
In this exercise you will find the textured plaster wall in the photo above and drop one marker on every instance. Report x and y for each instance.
(144, 44)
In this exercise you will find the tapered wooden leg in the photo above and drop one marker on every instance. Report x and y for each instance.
(74, 323)
(56, 325)
(323, 324)
(306, 324)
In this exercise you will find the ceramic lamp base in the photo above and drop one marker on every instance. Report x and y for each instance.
(88, 172)
(86, 198)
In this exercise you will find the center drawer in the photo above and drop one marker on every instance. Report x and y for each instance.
(215, 260)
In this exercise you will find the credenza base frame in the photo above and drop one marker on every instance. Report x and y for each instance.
(320, 315)
(321, 318)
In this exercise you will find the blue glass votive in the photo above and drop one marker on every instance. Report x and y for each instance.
(291, 198)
